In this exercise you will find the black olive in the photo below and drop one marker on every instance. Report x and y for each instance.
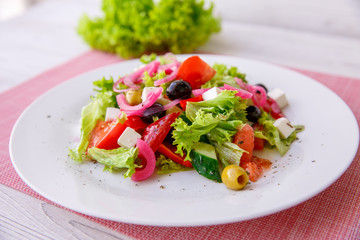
(178, 89)
(261, 85)
(253, 113)
(149, 113)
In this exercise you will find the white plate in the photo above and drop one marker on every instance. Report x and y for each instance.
(50, 126)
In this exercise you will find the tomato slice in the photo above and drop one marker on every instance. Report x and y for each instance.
(106, 134)
(259, 143)
(256, 167)
(264, 163)
(244, 138)
(156, 132)
(195, 71)
(95, 134)
(168, 150)
(255, 171)
(194, 99)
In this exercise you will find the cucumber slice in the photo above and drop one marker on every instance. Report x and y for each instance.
(203, 159)
(205, 149)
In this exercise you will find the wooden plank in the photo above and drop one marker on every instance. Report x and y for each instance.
(24, 217)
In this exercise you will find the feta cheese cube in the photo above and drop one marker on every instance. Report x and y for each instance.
(112, 113)
(284, 127)
(146, 91)
(128, 138)
(279, 97)
(211, 93)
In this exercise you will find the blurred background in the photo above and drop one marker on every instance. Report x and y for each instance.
(12, 8)
(323, 16)
(320, 35)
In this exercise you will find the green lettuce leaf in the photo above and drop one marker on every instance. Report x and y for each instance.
(90, 114)
(149, 81)
(106, 85)
(186, 135)
(218, 119)
(224, 75)
(226, 105)
(228, 153)
(130, 28)
(116, 159)
(147, 58)
(272, 135)
(224, 131)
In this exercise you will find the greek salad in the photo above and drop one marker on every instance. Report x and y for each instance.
(168, 116)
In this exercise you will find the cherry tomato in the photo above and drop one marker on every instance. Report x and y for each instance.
(195, 71)
(156, 132)
(106, 134)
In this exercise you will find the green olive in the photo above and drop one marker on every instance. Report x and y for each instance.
(234, 177)
(133, 97)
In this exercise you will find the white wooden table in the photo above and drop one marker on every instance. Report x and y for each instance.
(321, 35)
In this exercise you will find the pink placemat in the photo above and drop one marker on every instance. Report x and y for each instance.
(332, 214)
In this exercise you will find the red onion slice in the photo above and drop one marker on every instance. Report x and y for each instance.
(166, 79)
(200, 91)
(240, 92)
(258, 99)
(135, 78)
(154, 110)
(140, 108)
(240, 82)
(147, 156)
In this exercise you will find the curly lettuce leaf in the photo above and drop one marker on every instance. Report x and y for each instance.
(217, 119)
(122, 29)
(186, 135)
(90, 114)
(106, 85)
(149, 81)
(226, 104)
(116, 159)
(148, 58)
(130, 28)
